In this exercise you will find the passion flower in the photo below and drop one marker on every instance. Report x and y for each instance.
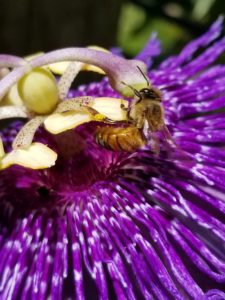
(104, 224)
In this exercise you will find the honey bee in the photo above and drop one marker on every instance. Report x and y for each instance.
(127, 139)
(145, 111)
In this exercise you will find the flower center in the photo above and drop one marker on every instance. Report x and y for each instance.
(81, 161)
(81, 164)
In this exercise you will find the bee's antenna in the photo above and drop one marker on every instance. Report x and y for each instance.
(145, 77)
(133, 89)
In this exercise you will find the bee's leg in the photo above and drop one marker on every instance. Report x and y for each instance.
(126, 109)
(155, 144)
(26, 134)
(140, 122)
(123, 107)
(83, 105)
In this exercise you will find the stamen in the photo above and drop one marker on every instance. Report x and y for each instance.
(7, 112)
(8, 81)
(11, 61)
(72, 71)
(117, 68)
(67, 78)
(41, 95)
(78, 103)
(26, 134)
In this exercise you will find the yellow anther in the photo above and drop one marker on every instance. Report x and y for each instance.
(99, 117)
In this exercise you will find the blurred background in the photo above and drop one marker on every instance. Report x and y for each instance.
(28, 26)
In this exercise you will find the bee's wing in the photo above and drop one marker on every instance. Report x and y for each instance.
(178, 153)
(155, 143)
(168, 137)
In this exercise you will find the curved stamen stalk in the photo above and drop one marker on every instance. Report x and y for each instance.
(116, 68)
(81, 105)
(39, 85)
(11, 61)
(71, 71)
(78, 103)
(76, 111)
(67, 78)
(9, 80)
(82, 109)
(7, 112)
(25, 136)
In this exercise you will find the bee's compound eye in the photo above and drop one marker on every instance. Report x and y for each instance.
(150, 94)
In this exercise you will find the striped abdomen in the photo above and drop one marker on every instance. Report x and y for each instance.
(127, 139)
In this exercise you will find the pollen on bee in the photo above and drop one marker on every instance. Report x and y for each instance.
(99, 117)
(122, 138)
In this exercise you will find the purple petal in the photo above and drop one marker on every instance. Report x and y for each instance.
(188, 51)
(151, 50)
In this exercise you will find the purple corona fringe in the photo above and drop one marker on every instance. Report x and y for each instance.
(106, 225)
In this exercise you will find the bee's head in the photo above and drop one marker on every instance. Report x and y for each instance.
(150, 93)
